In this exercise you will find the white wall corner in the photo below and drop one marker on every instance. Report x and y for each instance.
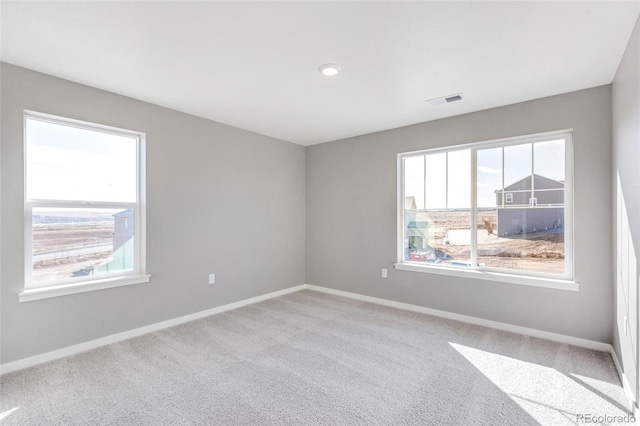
(631, 404)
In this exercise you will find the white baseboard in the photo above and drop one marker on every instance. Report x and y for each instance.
(625, 383)
(83, 347)
(561, 338)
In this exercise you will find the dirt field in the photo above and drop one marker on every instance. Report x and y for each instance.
(541, 255)
(65, 236)
(59, 237)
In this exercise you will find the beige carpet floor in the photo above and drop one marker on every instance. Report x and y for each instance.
(309, 358)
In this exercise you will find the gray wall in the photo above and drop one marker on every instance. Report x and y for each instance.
(626, 192)
(219, 199)
(242, 197)
(351, 217)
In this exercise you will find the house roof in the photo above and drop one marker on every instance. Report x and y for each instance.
(410, 203)
(540, 182)
(124, 213)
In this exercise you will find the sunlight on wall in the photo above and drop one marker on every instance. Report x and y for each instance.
(626, 265)
(527, 384)
(626, 290)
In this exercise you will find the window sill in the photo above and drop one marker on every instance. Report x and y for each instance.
(492, 276)
(67, 289)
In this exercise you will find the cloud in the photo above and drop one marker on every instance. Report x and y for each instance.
(556, 142)
(489, 170)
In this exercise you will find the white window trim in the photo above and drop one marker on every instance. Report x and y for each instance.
(537, 279)
(82, 284)
(80, 287)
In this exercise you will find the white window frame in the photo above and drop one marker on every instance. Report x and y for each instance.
(95, 282)
(563, 281)
(508, 197)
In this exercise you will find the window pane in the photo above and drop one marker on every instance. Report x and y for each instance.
(517, 174)
(77, 164)
(459, 184)
(549, 159)
(77, 242)
(519, 207)
(489, 197)
(549, 170)
(489, 178)
(524, 234)
(436, 173)
(438, 237)
(513, 238)
(414, 182)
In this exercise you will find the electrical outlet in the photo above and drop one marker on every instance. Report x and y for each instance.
(384, 273)
(212, 278)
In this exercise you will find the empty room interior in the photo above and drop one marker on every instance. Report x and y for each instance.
(322, 213)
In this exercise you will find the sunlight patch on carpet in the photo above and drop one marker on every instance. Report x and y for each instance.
(543, 392)
(7, 413)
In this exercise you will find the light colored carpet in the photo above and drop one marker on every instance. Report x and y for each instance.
(309, 358)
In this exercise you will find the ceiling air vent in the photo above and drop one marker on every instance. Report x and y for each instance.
(445, 99)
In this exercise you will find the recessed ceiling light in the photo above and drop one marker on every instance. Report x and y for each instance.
(329, 70)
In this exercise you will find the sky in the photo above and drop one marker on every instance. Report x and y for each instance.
(548, 161)
(74, 164)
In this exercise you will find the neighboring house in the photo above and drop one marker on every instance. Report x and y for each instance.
(546, 192)
(530, 208)
(417, 246)
(122, 259)
(410, 203)
(123, 228)
(123, 247)
(416, 231)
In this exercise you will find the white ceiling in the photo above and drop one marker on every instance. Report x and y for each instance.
(254, 64)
